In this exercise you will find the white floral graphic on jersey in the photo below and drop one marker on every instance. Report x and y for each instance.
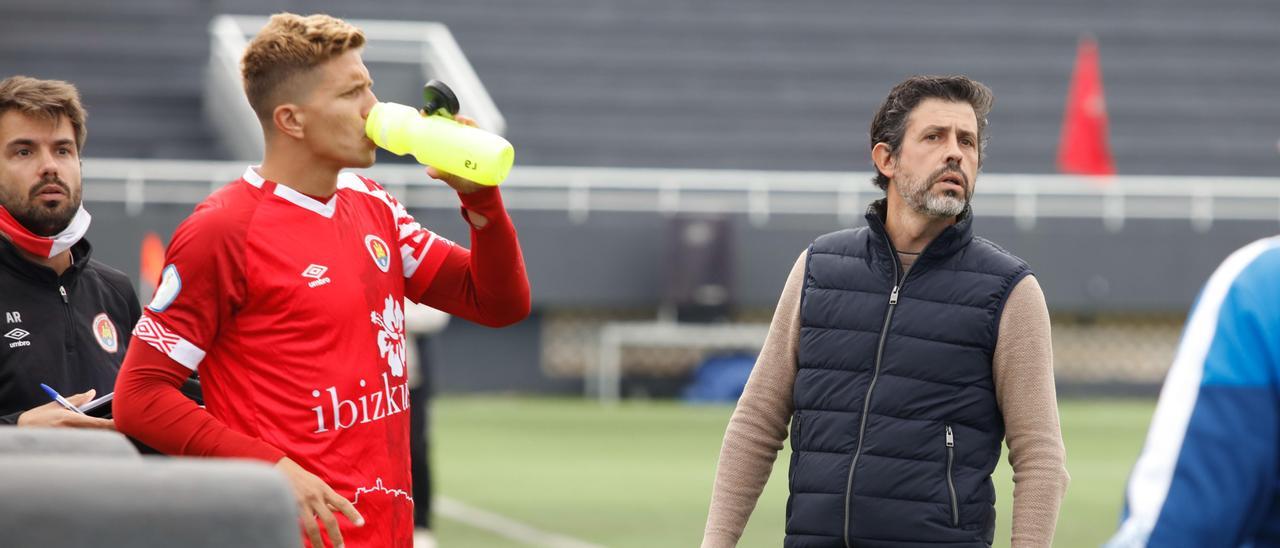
(391, 339)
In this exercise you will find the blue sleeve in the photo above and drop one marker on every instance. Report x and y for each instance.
(1207, 474)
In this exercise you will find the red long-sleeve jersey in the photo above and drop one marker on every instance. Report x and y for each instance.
(291, 309)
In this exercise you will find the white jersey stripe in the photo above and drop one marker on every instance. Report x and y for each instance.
(412, 263)
(171, 344)
(324, 209)
(1153, 473)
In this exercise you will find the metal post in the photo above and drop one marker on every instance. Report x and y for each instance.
(608, 367)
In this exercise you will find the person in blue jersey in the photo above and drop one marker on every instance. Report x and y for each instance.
(1207, 475)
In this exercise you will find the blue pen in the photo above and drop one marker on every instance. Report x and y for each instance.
(58, 398)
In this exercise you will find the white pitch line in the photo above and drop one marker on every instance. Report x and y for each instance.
(504, 526)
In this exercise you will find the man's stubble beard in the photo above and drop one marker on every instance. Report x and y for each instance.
(39, 219)
(915, 192)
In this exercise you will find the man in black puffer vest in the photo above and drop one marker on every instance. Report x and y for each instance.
(900, 352)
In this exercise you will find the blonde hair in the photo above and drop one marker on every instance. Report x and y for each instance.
(290, 45)
(46, 98)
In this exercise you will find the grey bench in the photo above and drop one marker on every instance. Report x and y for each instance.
(64, 441)
(91, 489)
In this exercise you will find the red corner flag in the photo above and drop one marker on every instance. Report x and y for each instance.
(150, 264)
(1084, 149)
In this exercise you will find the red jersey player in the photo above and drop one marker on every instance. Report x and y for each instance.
(285, 290)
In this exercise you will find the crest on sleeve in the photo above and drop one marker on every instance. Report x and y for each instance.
(170, 286)
(379, 250)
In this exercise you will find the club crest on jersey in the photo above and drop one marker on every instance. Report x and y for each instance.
(170, 286)
(105, 333)
(379, 250)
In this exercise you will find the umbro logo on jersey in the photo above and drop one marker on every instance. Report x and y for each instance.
(17, 334)
(316, 273)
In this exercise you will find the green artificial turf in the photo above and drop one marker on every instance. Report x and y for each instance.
(640, 474)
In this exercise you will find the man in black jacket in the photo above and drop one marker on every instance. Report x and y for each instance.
(66, 317)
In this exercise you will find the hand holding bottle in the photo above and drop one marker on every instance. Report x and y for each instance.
(457, 182)
(434, 137)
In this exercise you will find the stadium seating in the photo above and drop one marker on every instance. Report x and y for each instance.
(727, 84)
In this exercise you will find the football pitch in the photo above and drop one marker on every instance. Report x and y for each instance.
(640, 474)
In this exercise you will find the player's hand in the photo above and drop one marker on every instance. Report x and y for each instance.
(462, 185)
(316, 500)
(54, 415)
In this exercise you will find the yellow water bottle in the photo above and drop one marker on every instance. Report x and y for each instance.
(434, 138)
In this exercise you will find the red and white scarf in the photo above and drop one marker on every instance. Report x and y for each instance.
(44, 246)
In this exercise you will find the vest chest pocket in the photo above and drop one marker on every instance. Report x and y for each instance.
(951, 485)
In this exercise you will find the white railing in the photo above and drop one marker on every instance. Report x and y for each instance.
(428, 46)
(604, 381)
(225, 105)
(761, 195)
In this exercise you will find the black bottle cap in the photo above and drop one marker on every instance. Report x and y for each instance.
(436, 96)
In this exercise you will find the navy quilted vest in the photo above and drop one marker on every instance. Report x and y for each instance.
(896, 429)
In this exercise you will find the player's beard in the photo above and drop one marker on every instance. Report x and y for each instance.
(40, 219)
(918, 195)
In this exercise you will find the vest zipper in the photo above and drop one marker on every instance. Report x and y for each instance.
(795, 431)
(866, 401)
(951, 486)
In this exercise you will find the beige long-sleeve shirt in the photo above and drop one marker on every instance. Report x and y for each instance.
(1023, 372)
